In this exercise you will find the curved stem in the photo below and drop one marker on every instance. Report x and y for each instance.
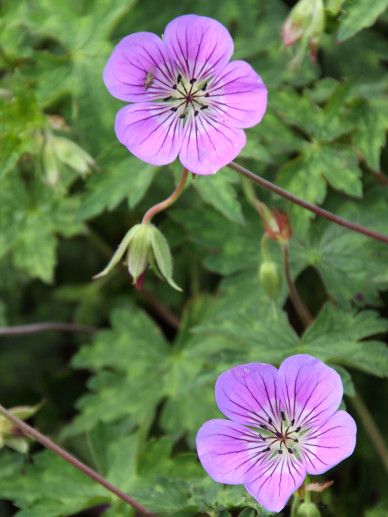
(151, 212)
(44, 440)
(371, 428)
(358, 228)
(45, 326)
(297, 301)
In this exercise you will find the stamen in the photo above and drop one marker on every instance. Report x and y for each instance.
(174, 109)
(270, 420)
(204, 107)
(263, 426)
(298, 429)
(179, 79)
(167, 99)
(290, 451)
(207, 94)
(183, 115)
(174, 86)
(204, 87)
(280, 451)
(296, 440)
(192, 81)
(196, 113)
(267, 449)
(293, 421)
(283, 415)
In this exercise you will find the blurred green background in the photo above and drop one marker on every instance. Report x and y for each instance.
(128, 389)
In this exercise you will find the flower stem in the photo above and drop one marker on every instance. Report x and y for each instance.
(308, 206)
(297, 301)
(295, 505)
(45, 326)
(44, 440)
(159, 207)
(371, 428)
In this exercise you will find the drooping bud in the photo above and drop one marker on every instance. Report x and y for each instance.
(276, 224)
(10, 436)
(306, 22)
(308, 509)
(143, 245)
(269, 278)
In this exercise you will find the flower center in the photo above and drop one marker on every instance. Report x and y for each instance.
(282, 436)
(189, 96)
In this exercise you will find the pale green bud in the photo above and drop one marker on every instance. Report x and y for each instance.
(308, 509)
(144, 245)
(71, 154)
(305, 21)
(269, 278)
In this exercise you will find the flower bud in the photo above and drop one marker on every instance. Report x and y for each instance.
(10, 436)
(308, 509)
(269, 278)
(276, 224)
(306, 21)
(71, 154)
(144, 245)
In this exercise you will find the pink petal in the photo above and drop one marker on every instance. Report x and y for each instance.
(209, 145)
(136, 61)
(330, 443)
(228, 450)
(311, 391)
(198, 44)
(272, 483)
(247, 394)
(239, 95)
(151, 131)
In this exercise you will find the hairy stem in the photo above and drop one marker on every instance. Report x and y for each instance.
(46, 442)
(371, 428)
(45, 326)
(308, 206)
(161, 310)
(297, 301)
(159, 207)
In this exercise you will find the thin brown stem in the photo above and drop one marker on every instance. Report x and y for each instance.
(381, 178)
(371, 428)
(358, 228)
(47, 442)
(161, 310)
(45, 326)
(159, 207)
(297, 301)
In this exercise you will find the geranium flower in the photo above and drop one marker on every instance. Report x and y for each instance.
(283, 425)
(188, 99)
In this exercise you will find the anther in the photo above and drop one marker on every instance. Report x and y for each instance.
(192, 81)
(174, 86)
(183, 115)
(290, 451)
(298, 429)
(204, 87)
(204, 107)
(179, 79)
(283, 415)
(263, 426)
(270, 420)
(167, 99)
(267, 449)
(196, 113)
(296, 440)
(293, 421)
(174, 109)
(207, 94)
(280, 451)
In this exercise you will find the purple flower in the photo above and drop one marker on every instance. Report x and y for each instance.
(187, 98)
(283, 425)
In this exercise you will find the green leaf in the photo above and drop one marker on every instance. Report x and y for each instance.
(369, 137)
(124, 179)
(359, 14)
(219, 191)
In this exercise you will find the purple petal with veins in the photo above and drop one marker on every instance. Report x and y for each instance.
(189, 99)
(284, 424)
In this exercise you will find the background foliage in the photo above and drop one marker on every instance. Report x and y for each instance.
(129, 398)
